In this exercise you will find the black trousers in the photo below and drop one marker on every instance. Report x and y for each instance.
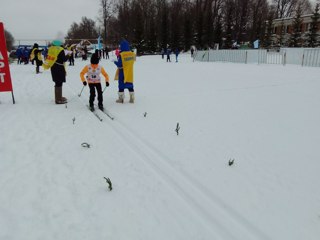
(71, 61)
(93, 87)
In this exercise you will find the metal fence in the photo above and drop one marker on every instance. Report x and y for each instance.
(311, 58)
(283, 56)
(234, 56)
(272, 57)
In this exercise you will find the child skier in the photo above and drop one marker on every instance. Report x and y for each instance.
(92, 72)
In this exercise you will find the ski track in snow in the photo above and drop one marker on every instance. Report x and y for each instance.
(219, 219)
(205, 205)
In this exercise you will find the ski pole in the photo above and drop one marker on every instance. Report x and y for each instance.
(81, 91)
(104, 89)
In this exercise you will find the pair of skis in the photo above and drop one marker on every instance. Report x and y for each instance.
(103, 111)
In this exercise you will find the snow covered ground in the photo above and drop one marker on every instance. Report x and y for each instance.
(165, 186)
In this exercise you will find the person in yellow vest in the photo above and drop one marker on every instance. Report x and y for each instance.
(36, 55)
(92, 72)
(124, 73)
(55, 61)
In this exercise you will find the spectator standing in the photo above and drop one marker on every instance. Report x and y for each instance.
(124, 73)
(176, 52)
(107, 52)
(162, 53)
(192, 51)
(36, 55)
(56, 62)
(168, 52)
(19, 54)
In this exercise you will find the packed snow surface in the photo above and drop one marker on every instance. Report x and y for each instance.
(165, 185)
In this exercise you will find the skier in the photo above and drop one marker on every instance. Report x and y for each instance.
(92, 72)
(124, 73)
(56, 62)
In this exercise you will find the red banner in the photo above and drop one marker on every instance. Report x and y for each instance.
(5, 78)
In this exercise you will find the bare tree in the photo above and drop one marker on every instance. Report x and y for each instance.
(176, 17)
(241, 20)
(228, 22)
(199, 22)
(208, 23)
(85, 30)
(306, 6)
(217, 9)
(288, 8)
(153, 24)
(284, 8)
(123, 19)
(257, 19)
(107, 11)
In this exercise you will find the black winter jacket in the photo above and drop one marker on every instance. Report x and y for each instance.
(58, 70)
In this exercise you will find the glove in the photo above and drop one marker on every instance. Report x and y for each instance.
(84, 83)
(107, 84)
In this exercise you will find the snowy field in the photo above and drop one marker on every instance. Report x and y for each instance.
(165, 186)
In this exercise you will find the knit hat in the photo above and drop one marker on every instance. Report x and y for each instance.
(94, 59)
(56, 43)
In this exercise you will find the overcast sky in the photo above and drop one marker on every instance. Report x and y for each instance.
(44, 19)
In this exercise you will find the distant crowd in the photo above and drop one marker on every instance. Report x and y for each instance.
(24, 52)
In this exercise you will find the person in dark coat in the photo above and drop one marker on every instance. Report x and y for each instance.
(176, 52)
(25, 55)
(71, 56)
(162, 53)
(19, 55)
(107, 52)
(168, 52)
(56, 62)
(36, 55)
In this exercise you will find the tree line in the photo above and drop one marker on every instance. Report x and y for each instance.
(151, 25)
